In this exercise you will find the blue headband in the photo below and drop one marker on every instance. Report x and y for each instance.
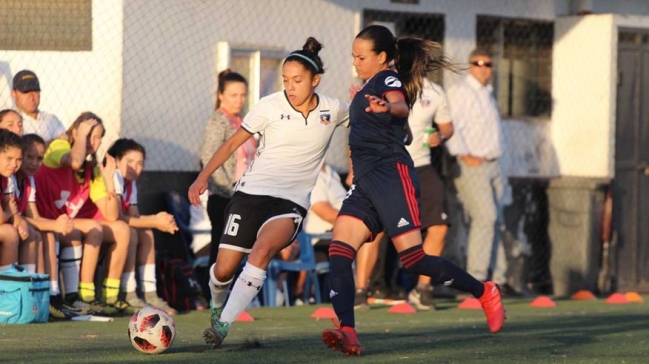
(306, 58)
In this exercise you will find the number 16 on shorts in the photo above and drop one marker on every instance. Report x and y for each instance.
(232, 227)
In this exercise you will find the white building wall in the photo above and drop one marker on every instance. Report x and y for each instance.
(73, 82)
(582, 76)
(584, 88)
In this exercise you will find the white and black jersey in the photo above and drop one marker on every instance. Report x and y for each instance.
(292, 148)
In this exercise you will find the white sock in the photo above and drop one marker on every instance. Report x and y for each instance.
(29, 268)
(218, 289)
(54, 288)
(147, 278)
(70, 263)
(54, 278)
(5, 267)
(127, 283)
(245, 289)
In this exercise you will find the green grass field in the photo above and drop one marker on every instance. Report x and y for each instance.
(574, 332)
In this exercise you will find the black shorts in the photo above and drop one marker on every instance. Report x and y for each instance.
(246, 214)
(433, 208)
(387, 198)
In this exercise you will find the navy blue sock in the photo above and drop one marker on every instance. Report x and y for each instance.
(341, 280)
(440, 270)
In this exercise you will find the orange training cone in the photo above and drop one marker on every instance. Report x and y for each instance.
(584, 295)
(402, 308)
(634, 297)
(324, 313)
(244, 317)
(470, 304)
(617, 299)
(543, 302)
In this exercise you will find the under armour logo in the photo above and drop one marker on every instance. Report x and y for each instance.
(249, 284)
(287, 116)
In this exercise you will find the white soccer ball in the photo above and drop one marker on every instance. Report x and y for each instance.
(151, 330)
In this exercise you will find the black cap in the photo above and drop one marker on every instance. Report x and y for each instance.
(26, 81)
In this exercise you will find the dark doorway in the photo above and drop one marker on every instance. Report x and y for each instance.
(631, 184)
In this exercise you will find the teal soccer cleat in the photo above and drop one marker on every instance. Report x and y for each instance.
(219, 330)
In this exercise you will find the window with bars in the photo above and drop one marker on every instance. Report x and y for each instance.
(261, 67)
(522, 55)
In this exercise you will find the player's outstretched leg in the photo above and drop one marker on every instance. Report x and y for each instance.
(342, 339)
(492, 305)
(216, 334)
(442, 271)
(218, 330)
(341, 279)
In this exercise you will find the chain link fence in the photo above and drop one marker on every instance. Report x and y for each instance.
(149, 69)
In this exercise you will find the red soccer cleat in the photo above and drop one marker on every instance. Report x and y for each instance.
(493, 307)
(343, 339)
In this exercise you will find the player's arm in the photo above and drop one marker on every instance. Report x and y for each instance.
(63, 224)
(444, 132)
(102, 190)
(220, 156)
(76, 156)
(224, 152)
(394, 103)
(408, 131)
(162, 221)
(443, 119)
(325, 211)
(7, 209)
(350, 176)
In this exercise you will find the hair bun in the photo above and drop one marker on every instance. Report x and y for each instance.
(312, 45)
(224, 73)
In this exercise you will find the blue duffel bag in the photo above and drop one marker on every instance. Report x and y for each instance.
(24, 297)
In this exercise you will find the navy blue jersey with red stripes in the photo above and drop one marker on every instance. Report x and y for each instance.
(376, 139)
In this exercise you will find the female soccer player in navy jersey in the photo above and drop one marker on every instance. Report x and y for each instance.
(271, 199)
(385, 191)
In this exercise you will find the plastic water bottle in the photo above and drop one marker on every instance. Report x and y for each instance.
(427, 133)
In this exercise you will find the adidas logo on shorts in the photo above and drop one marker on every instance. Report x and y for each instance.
(402, 222)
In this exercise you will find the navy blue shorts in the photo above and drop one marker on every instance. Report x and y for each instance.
(387, 198)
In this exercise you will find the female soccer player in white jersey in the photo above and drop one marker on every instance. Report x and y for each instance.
(271, 199)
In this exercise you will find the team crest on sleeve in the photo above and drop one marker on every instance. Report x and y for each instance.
(325, 119)
(392, 81)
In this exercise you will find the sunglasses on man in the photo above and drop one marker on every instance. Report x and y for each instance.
(482, 64)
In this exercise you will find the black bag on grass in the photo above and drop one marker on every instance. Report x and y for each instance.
(177, 284)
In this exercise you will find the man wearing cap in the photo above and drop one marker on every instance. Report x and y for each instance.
(27, 96)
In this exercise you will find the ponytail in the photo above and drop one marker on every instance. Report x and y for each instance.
(415, 59)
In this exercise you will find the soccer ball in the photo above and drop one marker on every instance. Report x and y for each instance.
(151, 330)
